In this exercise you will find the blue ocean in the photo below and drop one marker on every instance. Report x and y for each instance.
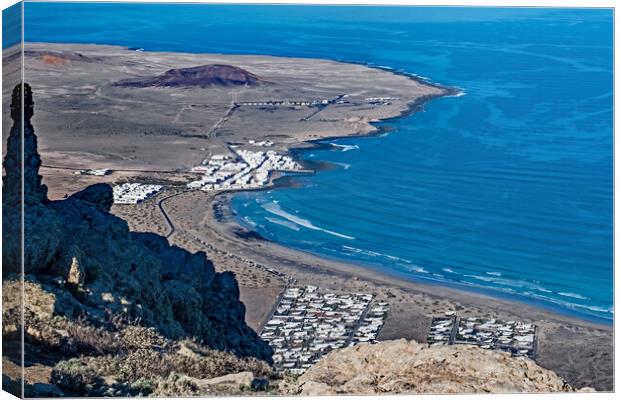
(506, 189)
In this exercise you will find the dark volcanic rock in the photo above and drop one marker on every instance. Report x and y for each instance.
(201, 76)
(34, 192)
(108, 269)
(98, 195)
(33, 196)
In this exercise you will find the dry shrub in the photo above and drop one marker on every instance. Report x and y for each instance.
(145, 370)
(176, 386)
(85, 339)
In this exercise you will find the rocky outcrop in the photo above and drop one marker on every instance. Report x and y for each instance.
(24, 166)
(201, 76)
(403, 366)
(75, 248)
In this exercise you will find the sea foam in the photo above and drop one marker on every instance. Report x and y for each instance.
(274, 208)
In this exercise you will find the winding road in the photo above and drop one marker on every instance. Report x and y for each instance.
(165, 215)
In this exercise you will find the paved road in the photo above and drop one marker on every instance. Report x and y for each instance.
(165, 215)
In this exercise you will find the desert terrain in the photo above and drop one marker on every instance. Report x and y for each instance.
(160, 114)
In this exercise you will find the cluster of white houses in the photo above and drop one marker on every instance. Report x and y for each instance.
(309, 323)
(380, 101)
(517, 338)
(95, 172)
(262, 143)
(245, 170)
(285, 103)
(133, 193)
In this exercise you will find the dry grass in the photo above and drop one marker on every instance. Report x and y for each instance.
(136, 360)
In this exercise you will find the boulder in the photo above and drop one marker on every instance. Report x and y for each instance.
(402, 366)
(235, 381)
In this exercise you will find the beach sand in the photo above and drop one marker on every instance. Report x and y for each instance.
(579, 351)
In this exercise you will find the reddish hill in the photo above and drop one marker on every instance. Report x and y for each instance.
(54, 58)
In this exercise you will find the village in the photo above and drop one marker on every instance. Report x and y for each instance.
(375, 101)
(93, 172)
(309, 323)
(380, 101)
(517, 338)
(243, 169)
(134, 193)
(288, 103)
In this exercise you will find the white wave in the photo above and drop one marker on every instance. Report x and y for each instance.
(377, 254)
(516, 283)
(346, 147)
(460, 93)
(589, 309)
(418, 269)
(448, 270)
(282, 222)
(249, 222)
(494, 273)
(354, 249)
(422, 77)
(573, 306)
(573, 295)
(343, 165)
(597, 308)
(275, 209)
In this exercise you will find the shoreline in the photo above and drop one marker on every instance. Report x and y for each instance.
(348, 269)
(579, 351)
(287, 180)
(414, 107)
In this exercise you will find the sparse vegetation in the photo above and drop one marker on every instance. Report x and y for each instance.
(114, 356)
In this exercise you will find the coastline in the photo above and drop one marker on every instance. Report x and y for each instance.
(416, 106)
(557, 329)
(576, 349)
(579, 351)
(230, 230)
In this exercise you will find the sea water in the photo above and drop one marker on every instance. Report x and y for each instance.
(505, 189)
